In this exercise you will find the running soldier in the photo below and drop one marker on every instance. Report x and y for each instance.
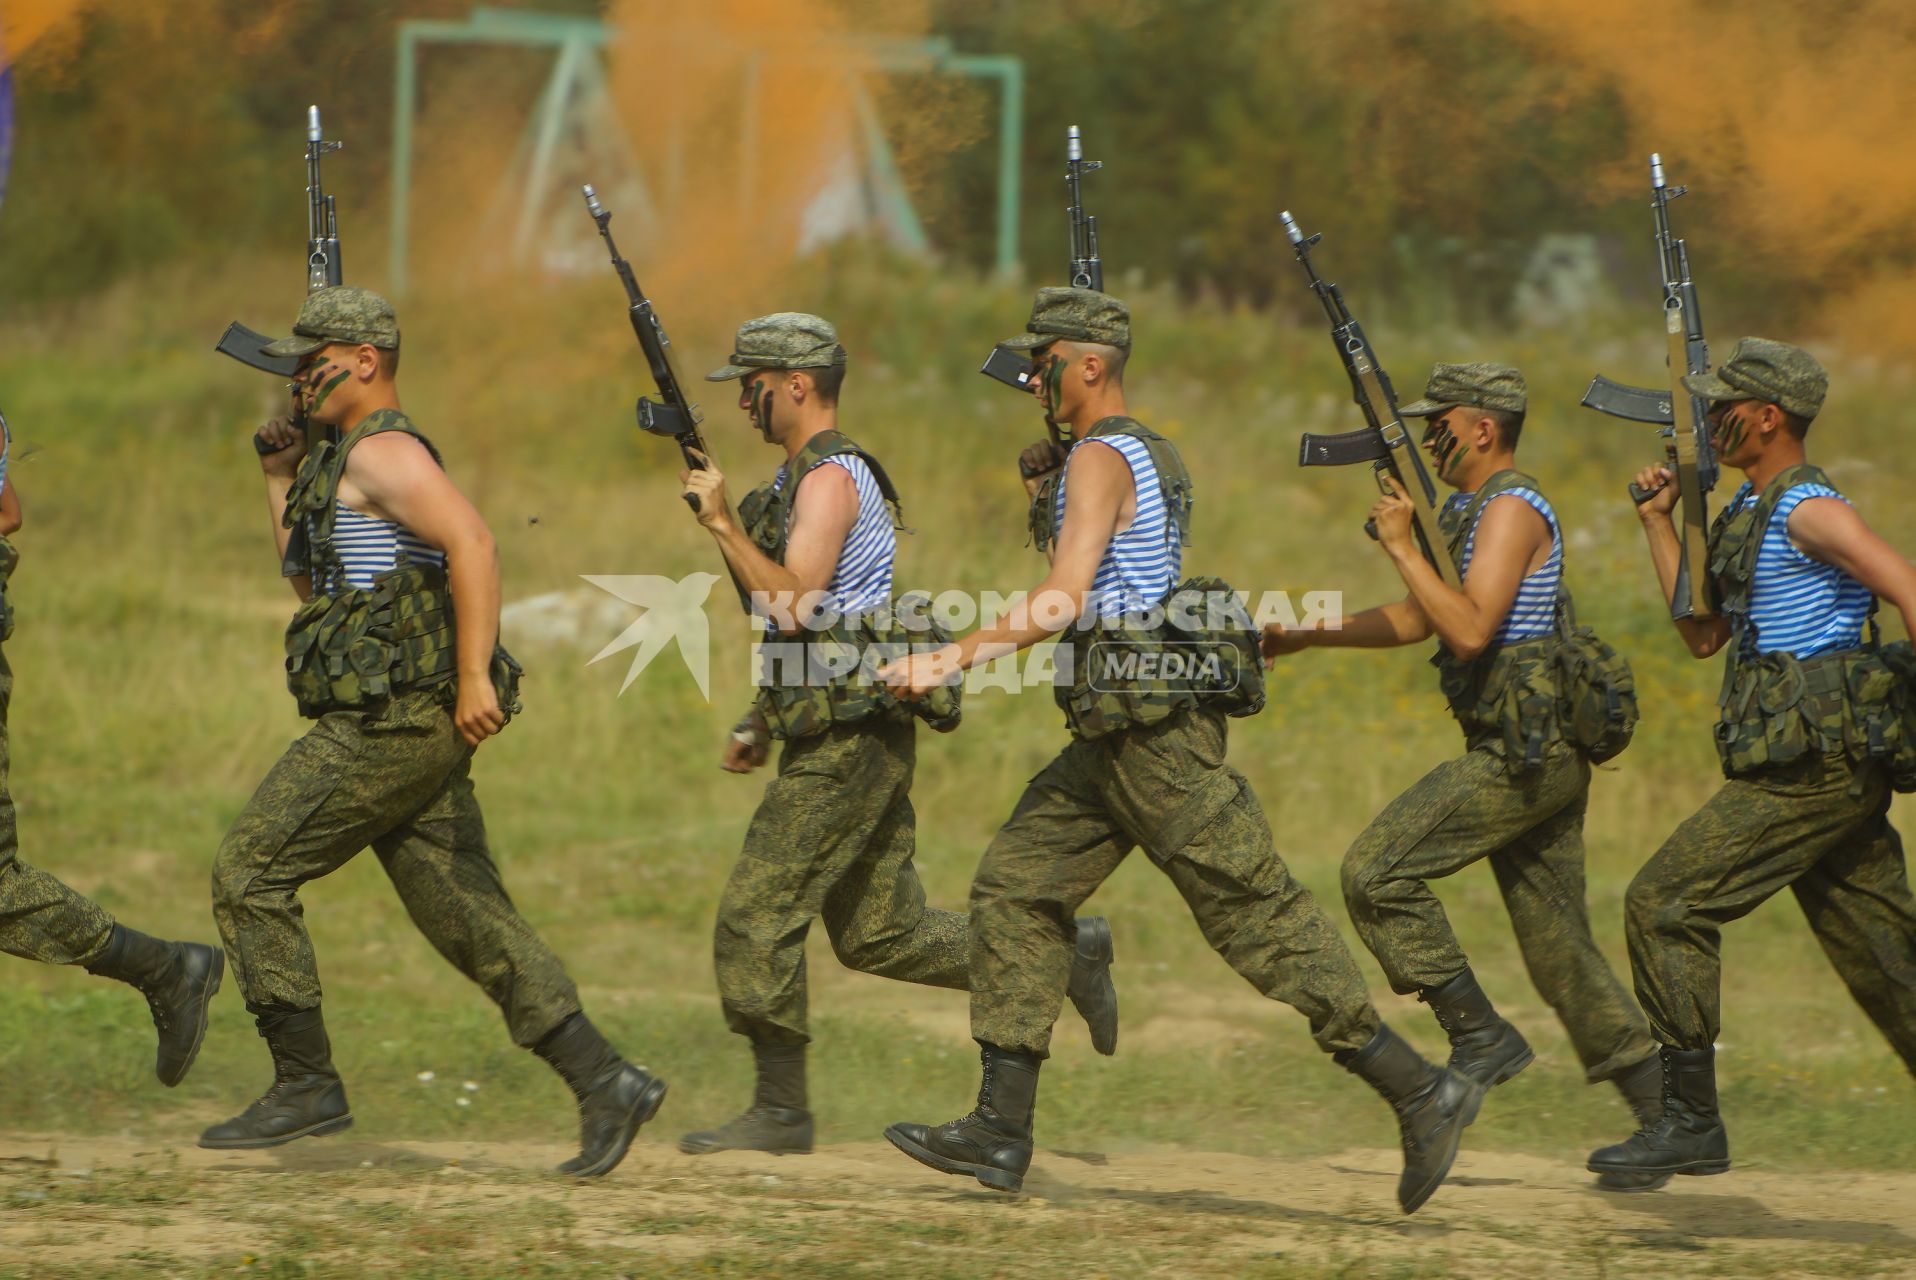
(394, 653)
(42, 919)
(835, 832)
(1145, 768)
(1809, 741)
(1516, 796)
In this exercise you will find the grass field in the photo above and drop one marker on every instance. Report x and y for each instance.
(149, 701)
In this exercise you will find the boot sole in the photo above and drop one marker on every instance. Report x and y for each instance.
(1690, 1169)
(319, 1130)
(643, 1109)
(1503, 1074)
(206, 1000)
(996, 1179)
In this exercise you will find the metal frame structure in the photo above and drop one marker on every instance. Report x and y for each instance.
(578, 75)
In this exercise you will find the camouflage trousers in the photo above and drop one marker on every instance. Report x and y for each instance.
(833, 837)
(398, 780)
(40, 918)
(1798, 826)
(1166, 789)
(1530, 830)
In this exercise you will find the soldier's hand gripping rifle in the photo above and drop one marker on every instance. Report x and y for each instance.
(672, 415)
(322, 269)
(1386, 444)
(1694, 453)
(1087, 269)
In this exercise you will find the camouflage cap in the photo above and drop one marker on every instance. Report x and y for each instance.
(1762, 369)
(1076, 315)
(339, 313)
(1482, 386)
(782, 340)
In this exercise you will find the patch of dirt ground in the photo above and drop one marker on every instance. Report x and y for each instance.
(105, 1206)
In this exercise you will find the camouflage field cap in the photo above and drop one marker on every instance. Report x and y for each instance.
(782, 340)
(1076, 315)
(339, 313)
(1762, 369)
(1482, 386)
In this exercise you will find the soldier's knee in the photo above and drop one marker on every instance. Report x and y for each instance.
(1651, 909)
(1361, 876)
(230, 879)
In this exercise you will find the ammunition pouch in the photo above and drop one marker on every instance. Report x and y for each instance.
(1777, 709)
(1506, 697)
(837, 683)
(1596, 693)
(9, 561)
(1197, 648)
(352, 649)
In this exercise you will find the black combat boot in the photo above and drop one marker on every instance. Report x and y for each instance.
(1642, 1088)
(307, 1097)
(777, 1121)
(1432, 1104)
(993, 1143)
(178, 980)
(1482, 1045)
(1686, 1136)
(614, 1096)
(1091, 992)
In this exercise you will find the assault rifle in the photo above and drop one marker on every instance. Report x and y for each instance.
(1087, 269)
(1385, 443)
(322, 269)
(672, 415)
(1692, 449)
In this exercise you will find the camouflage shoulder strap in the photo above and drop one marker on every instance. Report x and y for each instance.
(1458, 520)
(1174, 481)
(311, 502)
(1737, 539)
(766, 512)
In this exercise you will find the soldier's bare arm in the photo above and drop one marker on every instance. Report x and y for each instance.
(1512, 540)
(1101, 488)
(1703, 636)
(279, 467)
(1830, 530)
(1383, 626)
(823, 511)
(399, 480)
(11, 516)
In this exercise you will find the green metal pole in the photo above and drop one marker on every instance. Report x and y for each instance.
(1010, 72)
(405, 102)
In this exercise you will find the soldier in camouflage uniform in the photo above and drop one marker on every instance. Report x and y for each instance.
(1517, 795)
(42, 919)
(1816, 729)
(393, 652)
(1145, 769)
(835, 832)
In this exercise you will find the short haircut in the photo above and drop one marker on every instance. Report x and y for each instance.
(1114, 358)
(1795, 423)
(1509, 425)
(826, 380)
(388, 361)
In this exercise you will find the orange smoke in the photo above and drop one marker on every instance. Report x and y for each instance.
(24, 21)
(1792, 118)
(740, 112)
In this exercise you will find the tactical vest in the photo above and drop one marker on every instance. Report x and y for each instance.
(838, 684)
(9, 561)
(1568, 686)
(1775, 708)
(350, 648)
(1196, 647)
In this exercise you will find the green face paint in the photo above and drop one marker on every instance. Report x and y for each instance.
(1053, 384)
(761, 408)
(1731, 430)
(1444, 446)
(320, 391)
